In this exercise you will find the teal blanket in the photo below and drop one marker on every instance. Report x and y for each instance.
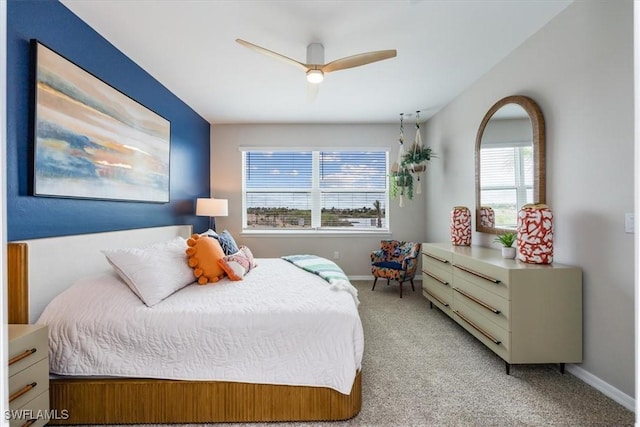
(328, 270)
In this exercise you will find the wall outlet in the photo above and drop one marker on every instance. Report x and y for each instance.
(336, 255)
(629, 223)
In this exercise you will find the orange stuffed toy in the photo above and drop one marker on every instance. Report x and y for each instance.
(204, 253)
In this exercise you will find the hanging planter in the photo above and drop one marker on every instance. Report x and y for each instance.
(417, 157)
(400, 185)
(415, 160)
(416, 168)
(410, 165)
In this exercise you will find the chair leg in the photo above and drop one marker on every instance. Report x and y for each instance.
(387, 282)
(400, 288)
(412, 288)
(375, 279)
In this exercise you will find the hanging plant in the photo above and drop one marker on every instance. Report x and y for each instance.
(401, 183)
(417, 156)
(409, 165)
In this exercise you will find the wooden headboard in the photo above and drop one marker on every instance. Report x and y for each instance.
(40, 269)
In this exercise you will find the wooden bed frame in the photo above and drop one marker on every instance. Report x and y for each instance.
(138, 400)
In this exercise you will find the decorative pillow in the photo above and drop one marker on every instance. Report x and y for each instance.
(204, 254)
(229, 245)
(153, 272)
(249, 255)
(237, 265)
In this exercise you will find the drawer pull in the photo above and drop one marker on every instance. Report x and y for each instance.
(434, 277)
(477, 301)
(437, 258)
(436, 298)
(478, 328)
(475, 273)
(22, 391)
(16, 359)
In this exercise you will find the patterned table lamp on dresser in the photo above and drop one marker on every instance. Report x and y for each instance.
(461, 226)
(535, 234)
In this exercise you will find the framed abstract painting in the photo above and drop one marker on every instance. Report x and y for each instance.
(91, 140)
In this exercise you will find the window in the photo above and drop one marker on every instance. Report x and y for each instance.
(338, 190)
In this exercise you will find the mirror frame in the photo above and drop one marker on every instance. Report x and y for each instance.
(539, 142)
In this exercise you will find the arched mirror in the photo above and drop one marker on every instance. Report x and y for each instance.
(510, 163)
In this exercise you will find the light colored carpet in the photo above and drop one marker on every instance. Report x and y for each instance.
(421, 369)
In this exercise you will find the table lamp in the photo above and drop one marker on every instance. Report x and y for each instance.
(212, 208)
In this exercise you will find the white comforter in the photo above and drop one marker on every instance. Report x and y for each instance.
(280, 325)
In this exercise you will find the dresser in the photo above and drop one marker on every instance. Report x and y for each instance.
(28, 375)
(525, 313)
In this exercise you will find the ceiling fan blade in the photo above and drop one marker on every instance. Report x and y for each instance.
(358, 60)
(272, 54)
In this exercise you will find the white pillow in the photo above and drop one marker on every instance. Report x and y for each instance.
(153, 272)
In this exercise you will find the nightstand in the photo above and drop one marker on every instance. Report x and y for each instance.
(28, 375)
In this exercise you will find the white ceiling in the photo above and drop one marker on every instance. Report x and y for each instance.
(189, 46)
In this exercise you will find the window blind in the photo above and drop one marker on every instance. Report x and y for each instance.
(338, 189)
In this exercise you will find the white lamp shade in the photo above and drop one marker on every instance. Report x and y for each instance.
(212, 207)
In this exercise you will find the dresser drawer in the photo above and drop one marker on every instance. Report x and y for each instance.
(434, 254)
(33, 412)
(496, 308)
(493, 268)
(438, 302)
(28, 344)
(437, 290)
(485, 276)
(494, 337)
(28, 383)
(441, 272)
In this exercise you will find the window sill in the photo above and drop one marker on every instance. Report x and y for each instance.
(315, 233)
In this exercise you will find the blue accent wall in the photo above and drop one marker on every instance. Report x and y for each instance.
(30, 217)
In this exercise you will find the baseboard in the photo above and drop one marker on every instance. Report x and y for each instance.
(369, 277)
(603, 387)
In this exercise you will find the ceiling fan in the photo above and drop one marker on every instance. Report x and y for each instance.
(315, 67)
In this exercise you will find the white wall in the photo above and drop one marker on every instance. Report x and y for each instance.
(579, 68)
(406, 223)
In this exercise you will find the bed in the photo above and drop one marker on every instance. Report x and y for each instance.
(41, 269)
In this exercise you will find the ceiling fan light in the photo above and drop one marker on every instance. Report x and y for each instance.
(315, 76)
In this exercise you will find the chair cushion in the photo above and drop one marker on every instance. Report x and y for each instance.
(389, 264)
